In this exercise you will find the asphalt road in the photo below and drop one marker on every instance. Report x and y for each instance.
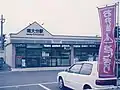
(30, 80)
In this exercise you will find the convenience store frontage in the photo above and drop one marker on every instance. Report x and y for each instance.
(34, 46)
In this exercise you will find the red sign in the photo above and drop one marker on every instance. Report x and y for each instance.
(106, 60)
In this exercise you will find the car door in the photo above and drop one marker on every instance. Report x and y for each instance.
(84, 76)
(71, 75)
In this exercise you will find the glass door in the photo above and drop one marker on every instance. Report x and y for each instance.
(54, 61)
(33, 57)
(45, 62)
(20, 54)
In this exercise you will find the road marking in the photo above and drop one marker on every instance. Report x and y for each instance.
(49, 83)
(18, 85)
(44, 87)
(27, 85)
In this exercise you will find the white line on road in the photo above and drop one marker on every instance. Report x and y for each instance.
(18, 85)
(44, 87)
(49, 83)
(27, 85)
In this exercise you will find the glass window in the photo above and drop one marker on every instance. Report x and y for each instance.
(53, 62)
(56, 52)
(65, 57)
(20, 51)
(117, 69)
(46, 51)
(32, 62)
(34, 52)
(86, 69)
(75, 68)
(65, 61)
(45, 61)
(58, 61)
(18, 62)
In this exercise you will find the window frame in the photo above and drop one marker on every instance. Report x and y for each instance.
(90, 69)
(73, 66)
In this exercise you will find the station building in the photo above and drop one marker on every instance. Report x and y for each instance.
(34, 46)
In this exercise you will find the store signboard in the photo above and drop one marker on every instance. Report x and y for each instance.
(32, 31)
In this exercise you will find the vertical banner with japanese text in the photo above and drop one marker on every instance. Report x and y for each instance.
(106, 60)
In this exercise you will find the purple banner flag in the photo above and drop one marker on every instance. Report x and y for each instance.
(106, 60)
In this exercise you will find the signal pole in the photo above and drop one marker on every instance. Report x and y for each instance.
(2, 42)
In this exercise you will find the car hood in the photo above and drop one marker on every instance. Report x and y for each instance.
(62, 73)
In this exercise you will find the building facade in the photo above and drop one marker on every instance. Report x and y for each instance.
(34, 46)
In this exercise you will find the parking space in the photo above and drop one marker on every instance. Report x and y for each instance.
(38, 80)
(53, 86)
(42, 86)
(34, 87)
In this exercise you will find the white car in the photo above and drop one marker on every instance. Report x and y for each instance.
(84, 75)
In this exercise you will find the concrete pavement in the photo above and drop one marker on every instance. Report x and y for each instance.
(32, 80)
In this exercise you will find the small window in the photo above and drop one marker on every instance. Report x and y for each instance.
(75, 68)
(86, 69)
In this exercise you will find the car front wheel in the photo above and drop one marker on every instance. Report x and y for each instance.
(61, 84)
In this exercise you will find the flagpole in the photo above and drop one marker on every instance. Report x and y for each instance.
(117, 41)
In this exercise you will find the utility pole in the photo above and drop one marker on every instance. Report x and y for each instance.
(117, 46)
(2, 41)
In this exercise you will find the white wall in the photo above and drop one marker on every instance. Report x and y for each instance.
(8, 54)
(23, 33)
(13, 55)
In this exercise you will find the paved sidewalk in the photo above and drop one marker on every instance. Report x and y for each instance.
(39, 69)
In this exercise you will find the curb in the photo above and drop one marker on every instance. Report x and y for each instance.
(5, 72)
(28, 71)
(39, 69)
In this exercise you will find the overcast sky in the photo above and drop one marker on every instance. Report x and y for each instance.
(61, 17)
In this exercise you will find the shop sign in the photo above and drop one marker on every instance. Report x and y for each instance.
(33, 31)
(20, 45)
